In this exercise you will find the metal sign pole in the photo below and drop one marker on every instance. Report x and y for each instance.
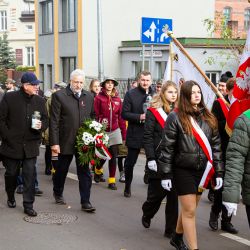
(152, 61)
(143, 57)
(100, 44)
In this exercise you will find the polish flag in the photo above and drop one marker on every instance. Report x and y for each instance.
(241, 91)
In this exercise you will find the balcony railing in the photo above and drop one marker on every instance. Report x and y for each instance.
(27, 16)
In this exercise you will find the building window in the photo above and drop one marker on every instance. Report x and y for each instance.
(160, 69)
(213, 76)
(68, 65)
(227, 12)
(47, 17)
(3, 20)
(29, 28)
(41, 72)
(30, 56)
(19, 56)
(138, 67)
(49, 75)
(68, 15)
(247, 19)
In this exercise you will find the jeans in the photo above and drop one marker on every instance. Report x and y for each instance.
(20, 179)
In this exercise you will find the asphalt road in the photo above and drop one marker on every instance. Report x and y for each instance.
(116, 224)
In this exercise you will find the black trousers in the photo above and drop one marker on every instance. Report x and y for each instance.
(129, 165)
(83, 174)
(248, 213)
(47, 157)
(218, 207)
(156, 193)
(29, 175)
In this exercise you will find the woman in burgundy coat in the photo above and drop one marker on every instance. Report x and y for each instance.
(108, 107)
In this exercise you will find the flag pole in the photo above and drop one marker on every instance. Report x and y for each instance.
(171, 60)
(208, 81)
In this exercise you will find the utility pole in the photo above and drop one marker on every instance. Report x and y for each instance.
(100, 40)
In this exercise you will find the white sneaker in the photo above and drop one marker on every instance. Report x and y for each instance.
(122, 177)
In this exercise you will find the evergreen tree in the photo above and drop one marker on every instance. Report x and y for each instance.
(7, 57)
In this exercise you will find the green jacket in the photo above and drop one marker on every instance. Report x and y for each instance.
(237, 171)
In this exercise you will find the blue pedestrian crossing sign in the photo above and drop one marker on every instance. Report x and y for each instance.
(153, 30)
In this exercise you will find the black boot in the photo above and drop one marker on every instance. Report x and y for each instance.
(10, 187)
(127, 191)
(11, 202)
(226, 224)
(228, 227)
(177, 242)
(213, 221)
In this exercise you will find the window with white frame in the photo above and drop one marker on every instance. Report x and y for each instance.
(214, 76)
(247, 19)
(29, 28)
(30, 56)
(47, 16)
(68, 15)
(3, 20)
(227, 13)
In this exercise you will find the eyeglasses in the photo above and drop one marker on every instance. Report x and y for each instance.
(31, 84)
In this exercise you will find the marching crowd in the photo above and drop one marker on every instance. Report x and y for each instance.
(186, 146)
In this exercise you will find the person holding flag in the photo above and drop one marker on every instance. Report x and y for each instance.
(161, 105)
(220, 111)
(190, 155)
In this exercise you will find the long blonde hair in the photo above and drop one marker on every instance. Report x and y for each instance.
(160, 100)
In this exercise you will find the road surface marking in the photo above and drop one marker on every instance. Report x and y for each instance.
(74, 177)
(236, 238)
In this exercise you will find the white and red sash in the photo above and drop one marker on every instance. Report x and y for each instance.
(205, 145)
(160, 115)
(224, 107)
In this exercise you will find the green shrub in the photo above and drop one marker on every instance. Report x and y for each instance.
(25, 68)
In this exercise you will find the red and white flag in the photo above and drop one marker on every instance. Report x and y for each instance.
(242, 84)
(181, 67)
(241, 91)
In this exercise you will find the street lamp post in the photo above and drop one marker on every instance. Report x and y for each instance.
(100, 44)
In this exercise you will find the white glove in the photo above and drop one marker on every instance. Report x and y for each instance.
(231, 207)
(166, 184)
(219, 183)
(152, 165)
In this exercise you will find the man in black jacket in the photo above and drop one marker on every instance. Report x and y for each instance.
(134, 111)
(69, 108)
(217, 206)
(21, 137)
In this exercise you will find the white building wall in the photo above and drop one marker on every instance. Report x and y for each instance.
(20, 35)
(122, 21)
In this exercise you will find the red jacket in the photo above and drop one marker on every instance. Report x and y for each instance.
(103, 104)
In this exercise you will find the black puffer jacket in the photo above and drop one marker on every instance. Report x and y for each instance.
(180, 150)
(153, 133)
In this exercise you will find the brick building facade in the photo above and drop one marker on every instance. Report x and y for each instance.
(236, 14)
